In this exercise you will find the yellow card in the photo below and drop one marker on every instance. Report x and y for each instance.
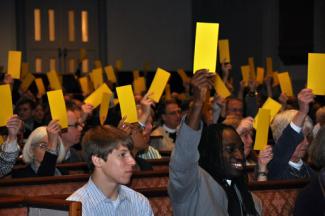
(84, 84)
(168, 92)
(224, 51)
(57, 107)
(269, 66)
(183, 75)
(285, 83)
(1, 140)
(6, 110)
(127, 103)
(221, 88)
(136, 74)
(110, 73)
(40, 86)
(118, 64)
(54, 80)
(96, 77)
(275, 78)
(83, 54)
(206, 43)
(271, 105)
(28, 80)
(315, 77)
(24, 70)
(245, 70)
(14, 64)
(139, 85)
(98, 64)
(158, 84)
(96, 97)
(251, 68)
(260, 75)
(262, 130)
(103, 110)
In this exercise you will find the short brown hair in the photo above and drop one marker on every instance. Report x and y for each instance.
(101, 141)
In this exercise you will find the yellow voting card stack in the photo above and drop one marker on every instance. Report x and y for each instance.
(158, 84)
(285, 83)
(221, 88)
(262, 129)
(14, 64)
(127, 103)
(6, 110)
(110, 73)
(224, 53)
(57, 107)
(96, 97)
(316, 78)
(103, 110)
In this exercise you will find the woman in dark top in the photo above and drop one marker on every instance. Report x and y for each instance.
(42, 150)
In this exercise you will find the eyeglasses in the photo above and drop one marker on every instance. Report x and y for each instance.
(76, 125)
(41, 145)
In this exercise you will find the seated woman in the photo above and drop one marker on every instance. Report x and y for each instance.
(42, 150)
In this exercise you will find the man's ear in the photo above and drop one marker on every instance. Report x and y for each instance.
(97, 161)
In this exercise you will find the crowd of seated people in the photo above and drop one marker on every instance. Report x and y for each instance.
(178, 121)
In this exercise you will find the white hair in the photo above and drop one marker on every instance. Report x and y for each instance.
(282, 119)
(35, 137)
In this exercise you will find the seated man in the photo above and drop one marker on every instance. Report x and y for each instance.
(290, 130)
(206, 173)
(9, 150)
(107, 152)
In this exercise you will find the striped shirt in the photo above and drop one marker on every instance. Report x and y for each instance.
(94, 202)
(150, 153)
(8, 155)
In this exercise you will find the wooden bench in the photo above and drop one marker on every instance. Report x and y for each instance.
(23, 205)
(35, 186)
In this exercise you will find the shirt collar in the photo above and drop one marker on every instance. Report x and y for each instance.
(169, 130)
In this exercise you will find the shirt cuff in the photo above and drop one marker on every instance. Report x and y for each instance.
(295, 127)
(10, 146)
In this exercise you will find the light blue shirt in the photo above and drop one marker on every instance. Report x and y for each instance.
(94, 202)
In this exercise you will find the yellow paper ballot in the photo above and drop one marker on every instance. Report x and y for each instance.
(285, 83)
(127, 103)
(269, 66)
(84, 84)
(245, 73)
(183, 75)
(40, 86)
(271, 105)
(315, 77)
(98, 64)
(54, 80)
(224, 51)
(206, 43)
(24, 70)
(6, 110)
(1, 140)
(96, 97)
(57, 107)
(251, 68)
(168, 94)
(136, 74)
(110, 73)
(139, 85)
(262, 130)
(260, 75)
(14, 64)
(96, 77)
(275, 78)
(158, 84)
(28, 80)
(103, 110)
(221, 88)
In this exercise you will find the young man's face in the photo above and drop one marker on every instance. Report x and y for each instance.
(233, 154)
(118, 166)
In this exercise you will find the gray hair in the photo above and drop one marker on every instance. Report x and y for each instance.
(316, 150)
(283, 119)
(35, 137)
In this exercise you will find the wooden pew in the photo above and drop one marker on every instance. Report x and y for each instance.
(23, 205)
(81, 167)
(67, 184)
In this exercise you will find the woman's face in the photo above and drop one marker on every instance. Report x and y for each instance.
(39, 148)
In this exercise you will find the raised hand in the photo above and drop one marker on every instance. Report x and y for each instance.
(305, 97)
(87, 110)
(245, 124)
(13, 124)
(53, 130)
(146, 104)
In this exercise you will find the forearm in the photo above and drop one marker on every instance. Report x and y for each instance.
(194, 117)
